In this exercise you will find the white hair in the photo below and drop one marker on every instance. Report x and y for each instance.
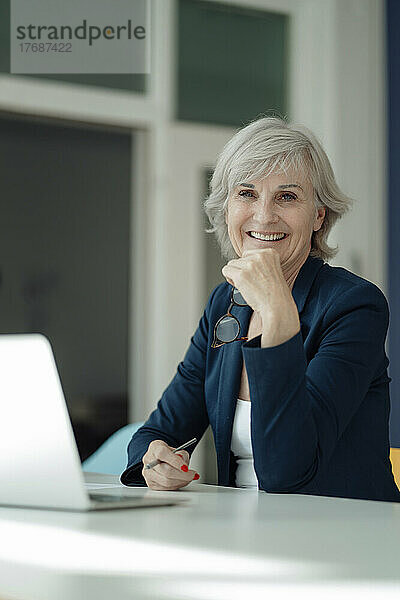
(272, 145)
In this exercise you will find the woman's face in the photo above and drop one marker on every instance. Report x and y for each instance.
(279, 204)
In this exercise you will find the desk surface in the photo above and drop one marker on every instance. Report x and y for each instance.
(224, 543)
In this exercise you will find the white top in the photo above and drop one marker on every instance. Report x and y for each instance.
(241, 446)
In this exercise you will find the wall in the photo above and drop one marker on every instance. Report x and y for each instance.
(393, 47)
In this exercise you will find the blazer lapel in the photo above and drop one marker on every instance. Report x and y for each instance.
(305, 279)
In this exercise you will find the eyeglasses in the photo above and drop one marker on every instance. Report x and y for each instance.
(227, 328)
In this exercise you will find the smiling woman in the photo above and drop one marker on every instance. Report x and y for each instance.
(288, 363)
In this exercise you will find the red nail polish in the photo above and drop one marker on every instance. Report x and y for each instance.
(197, 476)
(180, 455)
(184, 468)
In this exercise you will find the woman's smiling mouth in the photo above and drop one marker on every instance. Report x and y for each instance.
(267, 237)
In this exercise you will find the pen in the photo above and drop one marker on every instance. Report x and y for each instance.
(185, 445)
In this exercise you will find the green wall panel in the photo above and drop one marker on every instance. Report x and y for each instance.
(232, 62)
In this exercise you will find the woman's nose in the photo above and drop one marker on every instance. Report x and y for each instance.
(265, 212)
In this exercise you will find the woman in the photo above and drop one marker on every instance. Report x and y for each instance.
(302, 406)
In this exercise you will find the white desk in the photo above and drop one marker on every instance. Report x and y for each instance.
(225, 544)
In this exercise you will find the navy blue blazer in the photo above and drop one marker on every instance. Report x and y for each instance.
(319, 401)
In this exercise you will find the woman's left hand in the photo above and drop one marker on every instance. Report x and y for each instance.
(259, 278)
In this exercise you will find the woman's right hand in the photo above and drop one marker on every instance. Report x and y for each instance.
(169, 474)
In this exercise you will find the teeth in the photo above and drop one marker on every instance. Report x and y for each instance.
(268, 238)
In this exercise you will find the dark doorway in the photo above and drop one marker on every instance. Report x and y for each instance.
(64, 248)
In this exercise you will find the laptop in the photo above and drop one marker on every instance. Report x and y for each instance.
(39, 461)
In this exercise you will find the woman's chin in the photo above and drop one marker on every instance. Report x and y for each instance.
(253, 244)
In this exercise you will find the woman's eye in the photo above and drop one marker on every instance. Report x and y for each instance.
(287, 197)
(247, 193)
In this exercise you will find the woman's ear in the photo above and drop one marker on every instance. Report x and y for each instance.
(319, 219)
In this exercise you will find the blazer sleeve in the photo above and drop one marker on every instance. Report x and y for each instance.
(300, 411)
(181, 412)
